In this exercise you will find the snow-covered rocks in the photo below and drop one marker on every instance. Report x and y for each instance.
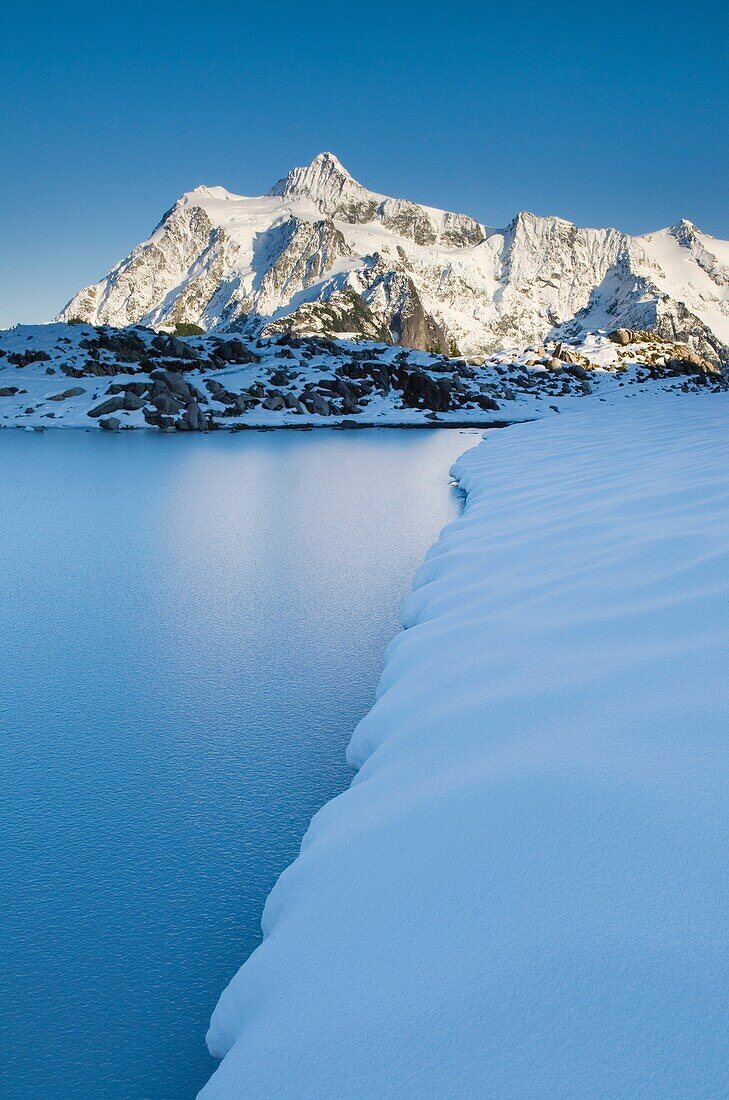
(524, 892)
(321, 254)
(144, 378)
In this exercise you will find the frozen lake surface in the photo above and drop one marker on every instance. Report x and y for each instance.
(191, 629)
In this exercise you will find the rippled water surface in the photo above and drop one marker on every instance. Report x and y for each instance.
(190, 628)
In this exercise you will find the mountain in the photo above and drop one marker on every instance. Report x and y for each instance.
(321, 254)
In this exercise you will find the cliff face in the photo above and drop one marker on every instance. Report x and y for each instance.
(319, 241)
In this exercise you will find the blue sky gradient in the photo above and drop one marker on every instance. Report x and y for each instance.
(605, 114)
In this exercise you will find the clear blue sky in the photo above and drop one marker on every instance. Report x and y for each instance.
(607, 114)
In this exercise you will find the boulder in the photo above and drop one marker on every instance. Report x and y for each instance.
(110, 423)
(157, 420)
(219, 393)
(243, 402)
(98, 369)
(127, 347)
(167, 404)
(578, 371)
(234, 351)
(319, 405)
(486, 403)
(192, 420)
(132, 402)
(24, 358)
(75, 391)
(420, 391)
(114, 404)
(274, 403)
(138, 388)
(174, 383)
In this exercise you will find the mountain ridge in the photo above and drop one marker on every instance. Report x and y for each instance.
(321, 246)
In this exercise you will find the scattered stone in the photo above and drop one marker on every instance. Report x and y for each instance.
(75, 391)
(234, 351)
(274, 403)
(24, 358)
(126, 346)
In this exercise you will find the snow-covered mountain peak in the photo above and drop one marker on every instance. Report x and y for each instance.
(315, 179)
(684, 231)
(202, 191)
(321, 254)
(330, 187)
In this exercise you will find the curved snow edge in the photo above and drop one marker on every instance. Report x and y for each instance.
(232, 1011)
(524, 889)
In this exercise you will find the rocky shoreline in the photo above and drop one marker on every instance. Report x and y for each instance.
(140, 378)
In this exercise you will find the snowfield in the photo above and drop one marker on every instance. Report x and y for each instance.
(524, 892)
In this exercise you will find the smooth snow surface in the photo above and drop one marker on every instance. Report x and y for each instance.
(524, 892)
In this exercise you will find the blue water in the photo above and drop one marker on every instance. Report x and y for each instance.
(190, 628)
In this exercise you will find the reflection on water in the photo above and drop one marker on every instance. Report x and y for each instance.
(191, 628)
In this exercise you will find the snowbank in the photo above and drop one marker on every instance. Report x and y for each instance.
(524, 892)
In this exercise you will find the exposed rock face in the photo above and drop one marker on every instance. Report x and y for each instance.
(428, 277)
(460, 231)
(139, 284)
(690, 238)
(395, 296)
(343, 313)
(301, 253)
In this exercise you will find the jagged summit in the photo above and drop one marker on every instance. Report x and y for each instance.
(330, 187)
(324, 171)
(323, 254)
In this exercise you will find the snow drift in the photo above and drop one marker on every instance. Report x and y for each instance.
(524, 892)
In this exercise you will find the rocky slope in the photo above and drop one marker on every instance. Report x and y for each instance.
(322, 255)
(82, 376)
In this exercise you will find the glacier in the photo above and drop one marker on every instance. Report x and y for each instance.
(524, 891)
